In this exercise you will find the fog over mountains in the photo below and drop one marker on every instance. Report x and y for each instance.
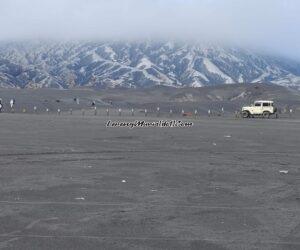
(138, 64)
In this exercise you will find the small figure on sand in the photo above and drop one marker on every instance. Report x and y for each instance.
(12, 103)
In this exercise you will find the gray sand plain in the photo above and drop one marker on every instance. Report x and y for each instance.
(68, 182)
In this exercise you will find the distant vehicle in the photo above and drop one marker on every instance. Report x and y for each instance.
(187, 114)
(260, 108)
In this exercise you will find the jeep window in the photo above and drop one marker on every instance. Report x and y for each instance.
(257, 104)
(266, 104)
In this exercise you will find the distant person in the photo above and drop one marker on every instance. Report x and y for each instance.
(76, 100)
(236, 114)
(1, 107)
(12, 103)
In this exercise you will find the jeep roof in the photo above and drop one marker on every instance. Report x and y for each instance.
(264, 101)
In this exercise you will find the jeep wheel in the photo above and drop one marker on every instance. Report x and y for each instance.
(245, 114)
(266, 114)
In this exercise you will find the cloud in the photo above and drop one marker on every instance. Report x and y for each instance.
(266, 24)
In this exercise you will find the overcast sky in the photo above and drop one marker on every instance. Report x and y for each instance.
(266, 24)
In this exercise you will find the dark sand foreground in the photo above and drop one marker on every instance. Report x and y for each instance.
(68, 182)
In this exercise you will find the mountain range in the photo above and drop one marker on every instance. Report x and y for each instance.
(138, 64)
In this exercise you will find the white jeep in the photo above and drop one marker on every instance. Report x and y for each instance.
(259, 108)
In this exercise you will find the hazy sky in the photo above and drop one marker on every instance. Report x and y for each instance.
(267, 24)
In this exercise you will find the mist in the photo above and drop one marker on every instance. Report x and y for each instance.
(269, 25)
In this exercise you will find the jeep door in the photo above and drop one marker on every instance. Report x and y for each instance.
(267, 107)
(257, 110)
